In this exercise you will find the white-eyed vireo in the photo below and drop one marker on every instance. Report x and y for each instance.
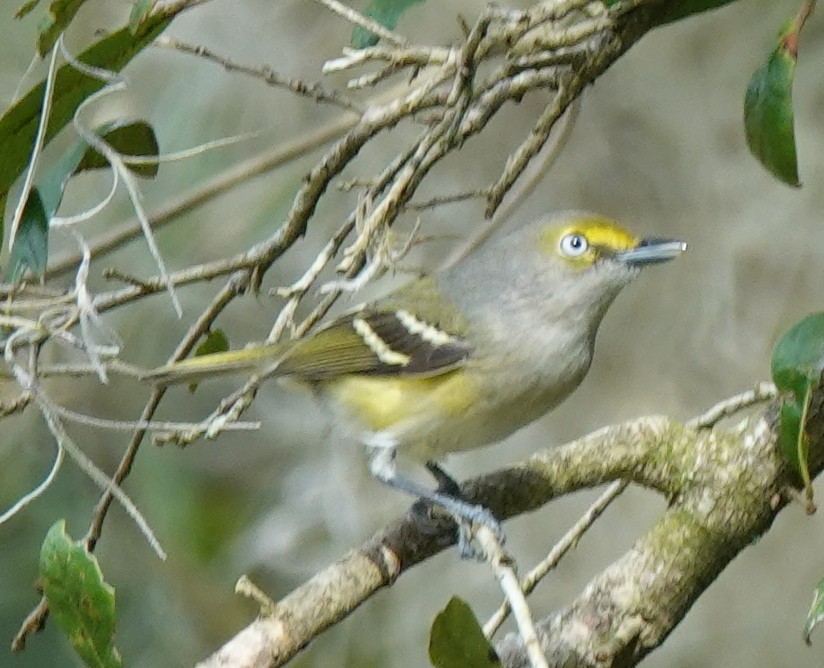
(465, 357)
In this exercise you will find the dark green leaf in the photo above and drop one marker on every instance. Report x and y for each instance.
(385, 12)
(816, 614)
(458, 641)
(18, 125)
(216, 341)
(789, 428)
(798, 356)
(674, 11)
(137, 138)
(768, 115)
(80, 601)
(52, 183)
(60, 14)
(26, 9)
(141, 10)
(797, 363)
(31, 245)
(133, 139)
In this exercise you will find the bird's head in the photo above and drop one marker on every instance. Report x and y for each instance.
(578, 262)
(563, 270)
(582, 241)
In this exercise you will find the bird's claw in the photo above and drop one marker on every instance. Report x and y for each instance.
(468, 546)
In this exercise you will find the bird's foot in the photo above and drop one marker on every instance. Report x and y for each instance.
(468, 545)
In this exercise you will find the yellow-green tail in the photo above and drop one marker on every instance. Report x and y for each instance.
(196, 369)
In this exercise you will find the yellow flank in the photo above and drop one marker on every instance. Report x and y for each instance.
(602, 234)
(381, 402)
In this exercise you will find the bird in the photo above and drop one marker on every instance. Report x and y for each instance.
(461, 358)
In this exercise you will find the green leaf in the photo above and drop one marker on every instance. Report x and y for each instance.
(31, 245)
(52, 183)
(136, 138)
(789, 429)
(458, 641)
(797, 363)
(26, 9)
(18, 125)
(798, 357)
(60, 14)
(216, 341)
(141, 10)
(768, 113)
(80, 601)
(385, 12)
(816, 614)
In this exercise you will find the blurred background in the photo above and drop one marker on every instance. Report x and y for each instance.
(658, 144)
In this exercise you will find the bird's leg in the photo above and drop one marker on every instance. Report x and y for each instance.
(446, 483)
(382, 466)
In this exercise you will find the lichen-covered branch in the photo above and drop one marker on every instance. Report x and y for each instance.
(725, 486)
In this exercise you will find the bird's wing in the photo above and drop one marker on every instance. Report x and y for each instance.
(375, 343)
(385, 338)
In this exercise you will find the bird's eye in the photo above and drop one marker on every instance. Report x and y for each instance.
(574, 245)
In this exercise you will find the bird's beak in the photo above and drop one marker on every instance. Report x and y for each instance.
(651, 251)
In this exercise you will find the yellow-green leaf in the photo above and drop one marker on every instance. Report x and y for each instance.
(27, 8)
(215, 341)
(80, 601)
(56, 20)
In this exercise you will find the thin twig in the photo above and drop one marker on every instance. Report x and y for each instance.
(312, 90)
(503, 566)
(724, 409)
(545, 160)
(568, 541)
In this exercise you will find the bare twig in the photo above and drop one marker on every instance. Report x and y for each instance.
(546, 159)
(503, 566)
(312, 90)
(567, 542)
(761, 393)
